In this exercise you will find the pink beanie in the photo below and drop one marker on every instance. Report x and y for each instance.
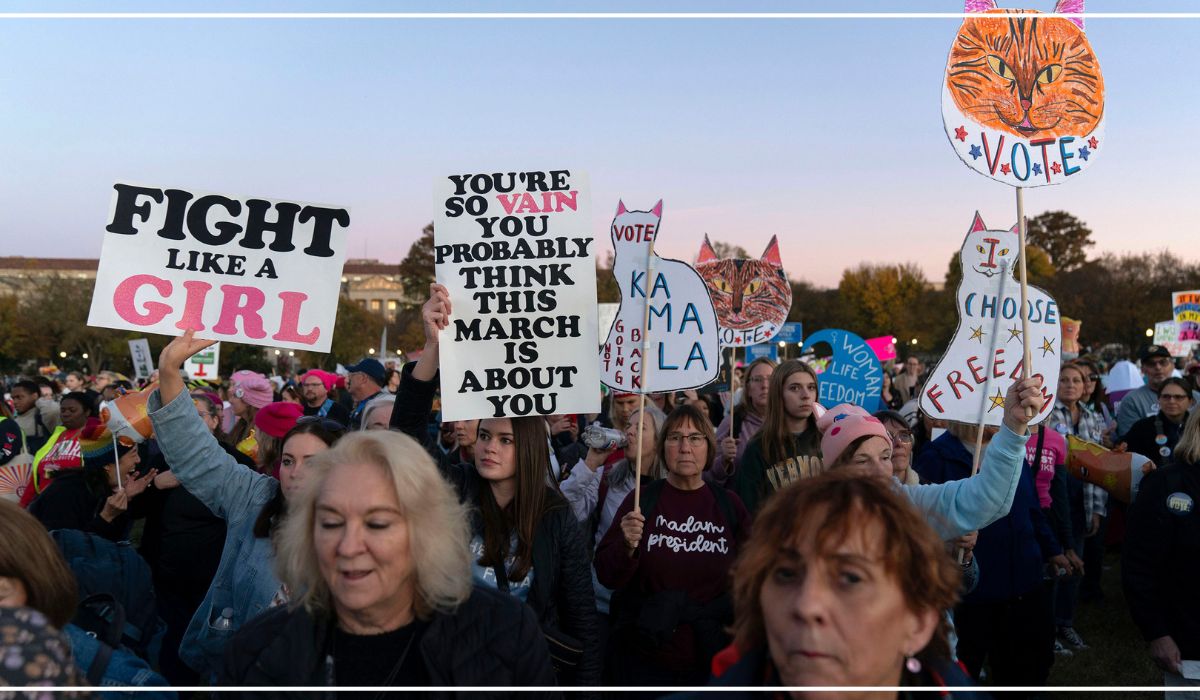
(327, 378)
(842, 425)
(276, 419)
(251, 387)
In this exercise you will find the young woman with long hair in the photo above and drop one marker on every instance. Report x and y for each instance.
(747, 416)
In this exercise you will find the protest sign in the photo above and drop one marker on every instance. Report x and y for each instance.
(752, 297)
(257, 271)
(1185, 307)
(204, 364)
(884, 347)
(767, 350)
(1166, 334)
(971, 379)
(1023, 97)
(791, 332)
(516, 253)
(143, 363)
(852, 374)
(677, 335)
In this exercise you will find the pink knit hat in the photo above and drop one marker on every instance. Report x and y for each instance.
(842, 425)
(276, 419)
(327, 378)
(251, 387)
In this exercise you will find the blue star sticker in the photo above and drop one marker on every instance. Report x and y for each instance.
(1084, 152)
(1037, 168)
(975, 152)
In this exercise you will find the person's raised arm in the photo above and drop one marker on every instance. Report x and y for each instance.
(172, 358)
(435, 315)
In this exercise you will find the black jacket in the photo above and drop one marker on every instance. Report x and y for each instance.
(561, 594)
(73, 501)
(490, 640)
(1160, 561)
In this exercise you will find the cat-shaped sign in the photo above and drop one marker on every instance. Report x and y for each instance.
(971, 380)
(752, 297)
(1023, 96)
(683, 351)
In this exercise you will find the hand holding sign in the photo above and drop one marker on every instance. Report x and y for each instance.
(1022, 397)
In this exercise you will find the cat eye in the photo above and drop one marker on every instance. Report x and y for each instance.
(722, 285)
(1004, 251)
(755, 285)
(1049, 74)
(980, 249)
(1000, 68)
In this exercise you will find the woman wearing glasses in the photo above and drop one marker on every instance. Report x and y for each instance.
(668, 562)
(1156, 437)
(252, 505)
(902, 446)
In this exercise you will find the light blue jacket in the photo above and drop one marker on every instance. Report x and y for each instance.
(245, 580)
(958, 507)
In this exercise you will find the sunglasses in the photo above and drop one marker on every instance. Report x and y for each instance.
(326, 423)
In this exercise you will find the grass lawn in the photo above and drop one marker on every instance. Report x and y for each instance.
(1117, 655)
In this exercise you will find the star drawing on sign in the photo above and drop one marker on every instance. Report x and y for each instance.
(1093, 143)
(1006, 168)
(1056, 168)
(975, 152)
(997, 401)
(960, 134)
(977, 334)
(1084, 152)
(1013, 332)
(1047, 346)
(1037, 168)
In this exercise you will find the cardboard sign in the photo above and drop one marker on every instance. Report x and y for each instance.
(1185, 307)
(256, 271)
(1023, 97)
(752, 297)
(1166, 334)
(681, 348)
(767, 350)
(143, 363)
(516, 252)
(204, 364)
(791, 332)
(852, 374)
(984, 356)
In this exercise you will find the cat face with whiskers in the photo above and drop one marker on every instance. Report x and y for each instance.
(746, 293)
(1030, 76)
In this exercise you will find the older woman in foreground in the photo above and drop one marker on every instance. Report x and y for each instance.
(375, 555)
(842, 583)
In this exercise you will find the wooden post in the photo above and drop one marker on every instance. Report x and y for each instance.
(637, 482)
(1027, 356)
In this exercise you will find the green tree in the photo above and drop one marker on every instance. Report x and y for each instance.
(417, 268)
(882, 299)
(355, 331)
(1063, 237)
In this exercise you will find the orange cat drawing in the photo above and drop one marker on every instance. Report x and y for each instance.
(1031, 76)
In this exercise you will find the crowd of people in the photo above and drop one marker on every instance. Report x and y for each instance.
(331, 530)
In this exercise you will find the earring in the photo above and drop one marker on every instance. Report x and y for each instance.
(913, 665)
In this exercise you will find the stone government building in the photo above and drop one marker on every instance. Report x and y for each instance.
(375, 286)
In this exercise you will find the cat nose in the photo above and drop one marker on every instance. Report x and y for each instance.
(1026, 104)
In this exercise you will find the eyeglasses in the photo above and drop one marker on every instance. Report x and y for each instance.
(904, 437)
(326, 423)
(312, 385)
(693, 439)
(1173, 397)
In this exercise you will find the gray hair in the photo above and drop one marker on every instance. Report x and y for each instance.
(438, 526)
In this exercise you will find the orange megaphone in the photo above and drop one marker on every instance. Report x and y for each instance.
(128, 417)
(1119, 473)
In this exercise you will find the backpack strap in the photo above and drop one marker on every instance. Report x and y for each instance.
(39, 425)
(649, 497)
(95, 672)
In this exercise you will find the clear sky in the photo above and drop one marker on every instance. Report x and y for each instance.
(826, 132)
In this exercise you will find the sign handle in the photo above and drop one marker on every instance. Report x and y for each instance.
(637, 484)
(1027, 356)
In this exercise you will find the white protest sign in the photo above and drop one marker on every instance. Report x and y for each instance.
(204, 364)
(683, 349)
(143, 363)
(516, 253)
(1166, 334)
(984, 357)
(250, 270)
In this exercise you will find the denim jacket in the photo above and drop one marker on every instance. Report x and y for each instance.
(245, 580)
(958, 507)
(124, 669)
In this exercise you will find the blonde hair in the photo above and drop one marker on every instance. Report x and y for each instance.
(438, 526)
(1188, 449)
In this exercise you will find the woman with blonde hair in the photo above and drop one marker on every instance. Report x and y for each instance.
(375, 554)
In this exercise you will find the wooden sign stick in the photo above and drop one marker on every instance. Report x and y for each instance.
(1027, 356)
(637, 484)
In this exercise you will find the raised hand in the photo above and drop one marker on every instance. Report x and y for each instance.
(133, 487)
(1024, 399)
(171, 359)
(435, 313)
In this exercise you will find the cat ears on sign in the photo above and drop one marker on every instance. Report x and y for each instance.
(977, 225)
(770, 255)
(657, 210)
(1063, 7)
(707, 254)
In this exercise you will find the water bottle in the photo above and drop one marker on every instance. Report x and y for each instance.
(225, 621)
(600, 438)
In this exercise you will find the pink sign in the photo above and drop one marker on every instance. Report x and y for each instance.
(883, 346)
